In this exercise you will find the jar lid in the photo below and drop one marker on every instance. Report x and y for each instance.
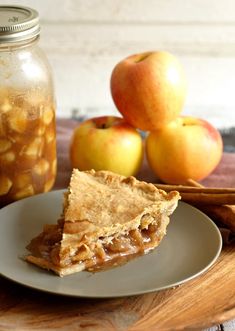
(18, 23)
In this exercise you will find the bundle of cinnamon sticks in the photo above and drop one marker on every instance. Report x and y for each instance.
(217, 203)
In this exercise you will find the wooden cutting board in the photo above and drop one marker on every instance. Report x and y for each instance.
(205, 301)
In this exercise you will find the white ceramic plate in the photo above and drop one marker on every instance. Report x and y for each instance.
(191, 246)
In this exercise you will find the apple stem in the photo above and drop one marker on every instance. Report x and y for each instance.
(142, 58)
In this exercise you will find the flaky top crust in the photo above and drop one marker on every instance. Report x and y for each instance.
(108, 203)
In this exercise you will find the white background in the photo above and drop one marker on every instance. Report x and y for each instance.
(84, 39)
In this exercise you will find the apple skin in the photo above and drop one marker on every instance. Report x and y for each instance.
(107, 143)
(187, 148)
(149, 89)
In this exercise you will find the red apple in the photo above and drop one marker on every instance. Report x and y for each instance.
(107, 143)
(149, 89)
(186, 148)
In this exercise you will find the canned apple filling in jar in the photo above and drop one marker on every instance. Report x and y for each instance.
(27, 109)
(27, 145)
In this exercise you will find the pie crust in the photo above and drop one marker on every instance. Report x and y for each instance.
(107, 219)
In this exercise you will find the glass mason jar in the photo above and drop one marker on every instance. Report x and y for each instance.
(27, 108)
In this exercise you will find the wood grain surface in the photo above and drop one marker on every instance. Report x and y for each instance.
(200, 303)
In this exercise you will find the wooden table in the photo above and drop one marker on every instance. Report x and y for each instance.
(203, 302)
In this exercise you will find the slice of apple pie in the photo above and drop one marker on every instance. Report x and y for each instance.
(107, 219)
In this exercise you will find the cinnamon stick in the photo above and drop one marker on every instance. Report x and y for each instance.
(196, 189)
(210, 198)
(222, 215)
(202, 195)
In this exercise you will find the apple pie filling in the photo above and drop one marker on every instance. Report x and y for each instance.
(27, 143)
(95, 255)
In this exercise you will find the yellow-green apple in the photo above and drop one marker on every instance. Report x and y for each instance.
(186, 148)
(149, 89)
(107, 143)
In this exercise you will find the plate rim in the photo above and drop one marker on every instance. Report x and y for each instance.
(134, 293)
